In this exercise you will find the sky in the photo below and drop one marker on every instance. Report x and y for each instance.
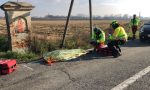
(100, 7)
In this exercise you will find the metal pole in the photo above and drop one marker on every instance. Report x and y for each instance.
(67, 22)
(91, 19)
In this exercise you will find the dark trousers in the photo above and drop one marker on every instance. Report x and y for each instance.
(134, 29)
(115, 43)
(94, 44)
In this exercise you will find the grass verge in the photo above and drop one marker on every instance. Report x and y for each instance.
(21, 58)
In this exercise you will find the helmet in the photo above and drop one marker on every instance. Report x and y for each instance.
(97, 30)
(134, 15)
(114, 24)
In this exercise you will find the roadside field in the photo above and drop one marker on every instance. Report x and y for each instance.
(47, 34)
(54, 28)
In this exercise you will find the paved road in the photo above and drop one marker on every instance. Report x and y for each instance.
(89, 72)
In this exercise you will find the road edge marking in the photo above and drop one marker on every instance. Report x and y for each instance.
(132, 79)
(28, 67)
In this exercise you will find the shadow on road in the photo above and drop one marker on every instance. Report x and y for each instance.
(90, 56)
(136, 43)
(85, 57)
(94, 55)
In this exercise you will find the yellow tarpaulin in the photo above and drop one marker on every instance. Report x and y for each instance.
(63, 55)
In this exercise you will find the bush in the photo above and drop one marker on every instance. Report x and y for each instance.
(80, 39)
(71, 43)
(20, 57)
(3, 43)
(40, 46)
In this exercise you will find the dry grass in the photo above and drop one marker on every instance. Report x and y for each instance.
(78, 34)
(55, 29)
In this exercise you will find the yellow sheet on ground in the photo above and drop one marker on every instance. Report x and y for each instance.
(63, 55)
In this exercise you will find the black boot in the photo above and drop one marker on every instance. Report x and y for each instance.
(115, 53)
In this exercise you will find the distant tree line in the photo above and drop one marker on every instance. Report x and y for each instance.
(84, 17)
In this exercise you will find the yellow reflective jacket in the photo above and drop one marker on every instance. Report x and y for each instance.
(101, 37)
(119, 33)
(135, 22)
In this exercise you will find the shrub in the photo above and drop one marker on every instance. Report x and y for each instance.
(20, 57)
(40, 46)
(3, 43)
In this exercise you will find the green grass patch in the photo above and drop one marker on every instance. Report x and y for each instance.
(19, 57)
(40, 46)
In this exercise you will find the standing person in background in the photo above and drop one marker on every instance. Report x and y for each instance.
(134, 23)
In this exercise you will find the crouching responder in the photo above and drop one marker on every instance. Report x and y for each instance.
(98, 38)
(119, 37)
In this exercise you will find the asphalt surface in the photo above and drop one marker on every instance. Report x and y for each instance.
(89, 72)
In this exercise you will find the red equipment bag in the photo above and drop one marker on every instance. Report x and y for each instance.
(104, 50)
(7, 66)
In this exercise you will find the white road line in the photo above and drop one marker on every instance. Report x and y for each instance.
(28, 67)
(132, 79)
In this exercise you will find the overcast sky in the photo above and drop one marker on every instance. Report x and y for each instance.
(100, 7)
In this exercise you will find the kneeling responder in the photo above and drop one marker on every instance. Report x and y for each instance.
(98, 38)
(119, 37)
